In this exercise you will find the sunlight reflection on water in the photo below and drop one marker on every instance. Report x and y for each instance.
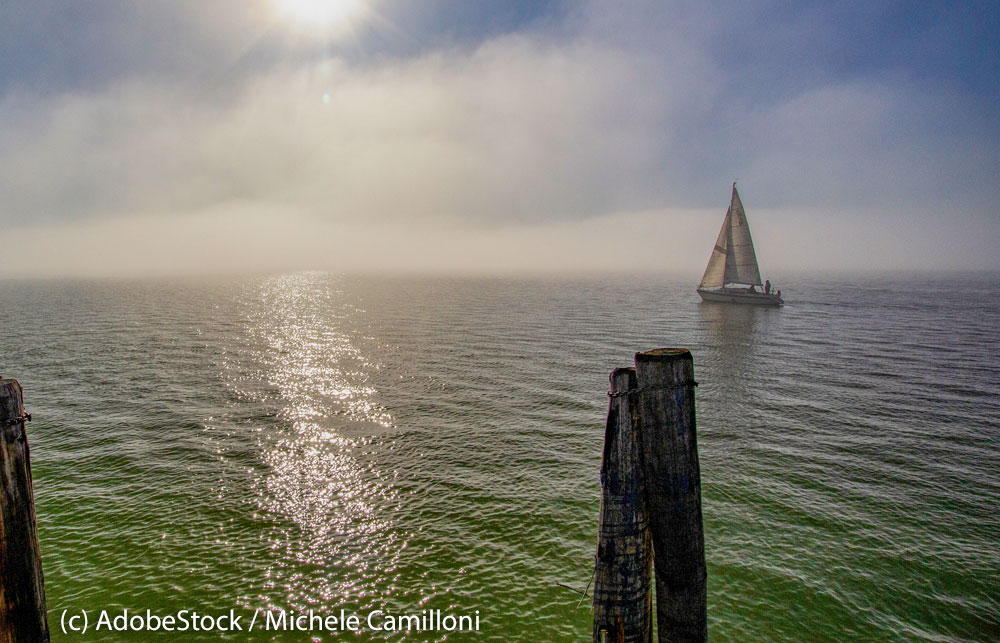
(333, 538)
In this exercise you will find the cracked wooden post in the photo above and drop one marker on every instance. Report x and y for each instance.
(665, 378)
(22, 595)
(622, 598)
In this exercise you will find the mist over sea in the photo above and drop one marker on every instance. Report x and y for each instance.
(315, 441)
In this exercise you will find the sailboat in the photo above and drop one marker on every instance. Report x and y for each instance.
(732, 275)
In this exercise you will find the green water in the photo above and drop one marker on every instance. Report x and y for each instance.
(311, 441)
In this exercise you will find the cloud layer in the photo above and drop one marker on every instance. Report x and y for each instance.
(589, 113)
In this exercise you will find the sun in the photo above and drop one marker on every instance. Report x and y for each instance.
(319, 14)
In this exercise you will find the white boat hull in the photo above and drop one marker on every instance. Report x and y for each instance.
(740, 296)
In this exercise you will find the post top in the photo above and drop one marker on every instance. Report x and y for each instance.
(663, 355)
(622, 379)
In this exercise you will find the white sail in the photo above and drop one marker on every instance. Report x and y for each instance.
(741, 260)
(715, 273)
(733, 259)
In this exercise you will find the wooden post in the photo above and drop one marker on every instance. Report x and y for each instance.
(22, 595)
(622, 599)
(665, 378)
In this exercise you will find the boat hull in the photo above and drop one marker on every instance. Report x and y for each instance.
(740, 296)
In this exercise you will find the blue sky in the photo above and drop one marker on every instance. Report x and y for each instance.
(207, 136)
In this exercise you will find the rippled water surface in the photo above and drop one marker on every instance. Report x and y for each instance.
(316, 441)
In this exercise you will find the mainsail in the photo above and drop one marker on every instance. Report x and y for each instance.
(733, 259)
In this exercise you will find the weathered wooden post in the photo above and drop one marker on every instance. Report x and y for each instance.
(22, 596)
(622, 598)
(665, 378)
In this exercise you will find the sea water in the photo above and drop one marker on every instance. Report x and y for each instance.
(300, 447)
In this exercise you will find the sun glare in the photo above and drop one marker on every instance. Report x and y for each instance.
(319, 14)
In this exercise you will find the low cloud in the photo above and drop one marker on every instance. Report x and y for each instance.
(514, 131)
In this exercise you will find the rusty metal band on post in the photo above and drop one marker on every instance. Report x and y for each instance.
(653, 389)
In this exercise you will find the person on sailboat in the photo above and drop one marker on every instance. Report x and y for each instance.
(767, 287)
